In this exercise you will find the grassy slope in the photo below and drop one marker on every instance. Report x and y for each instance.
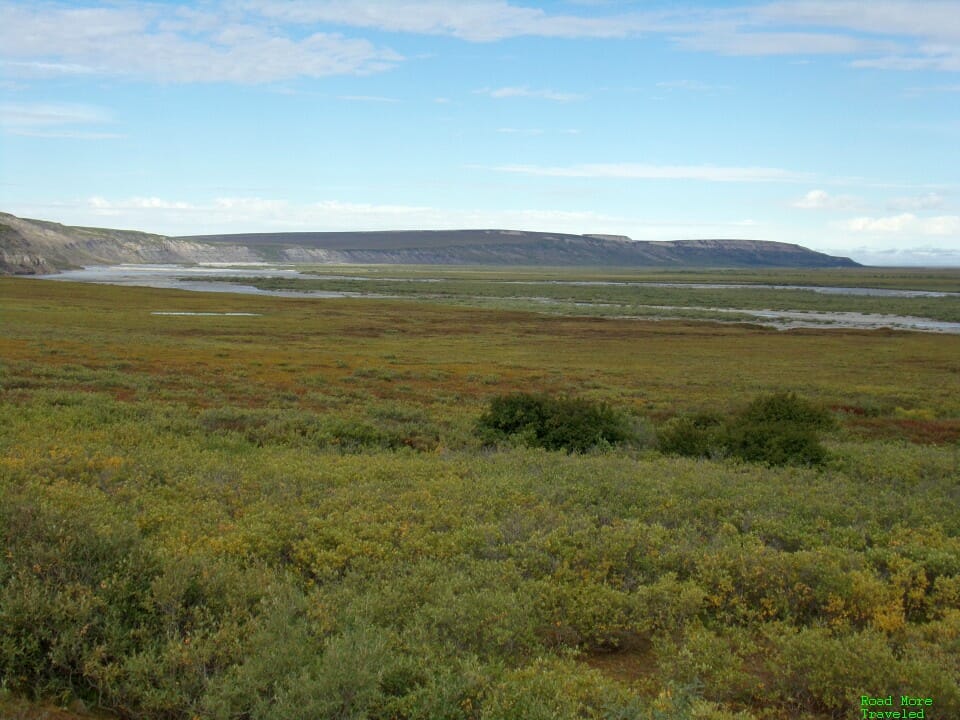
(220, 441)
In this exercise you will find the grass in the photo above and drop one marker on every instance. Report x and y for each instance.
(623, 293)
(291, 513)
(929, 279)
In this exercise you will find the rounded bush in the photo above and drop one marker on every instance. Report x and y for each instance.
(778, 429)
(692, 436)
(571, 424)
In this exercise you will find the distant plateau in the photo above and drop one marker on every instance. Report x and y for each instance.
(39, 247)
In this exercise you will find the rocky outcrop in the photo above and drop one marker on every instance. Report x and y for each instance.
(39, 247)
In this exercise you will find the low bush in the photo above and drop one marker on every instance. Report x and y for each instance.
(571, 424)
(773, 443)
(777, 429)
(787, 409)
(693, 436)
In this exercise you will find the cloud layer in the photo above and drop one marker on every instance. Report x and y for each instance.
(172, 44)
(54, 120)
(907, 224)
(240, 214)
(637, 171)
(525, 92)
(822, 200)
(257, 41)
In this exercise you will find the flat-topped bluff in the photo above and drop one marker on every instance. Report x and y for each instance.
(41, 247)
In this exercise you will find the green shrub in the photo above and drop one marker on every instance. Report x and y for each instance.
(814, 671)
(777, 429)
(787, 408)
(571, 424)
(773, 443)
(557, 689)
(692, 436)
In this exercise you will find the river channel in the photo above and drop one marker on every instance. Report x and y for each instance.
(206, 278)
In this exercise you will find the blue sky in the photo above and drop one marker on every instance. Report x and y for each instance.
(829, 123)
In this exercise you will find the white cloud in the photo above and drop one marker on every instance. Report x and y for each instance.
(259, 41)
(782, 43)
(64, 134)
(891, 224)
(924, 256)
(257, 214)
(906, 224)
(709, 173)
(822, 200)
(910, 241)
(158, 43)
(942, 59)
(53, 120)
(942, 225)
(472, 20)
(39, 70)
(138, 203)
(758, 29)
(250, 214)
(773, 28)
(918, 18)
(929, 201)
(885, 34)
(525, 92)
(32, 115)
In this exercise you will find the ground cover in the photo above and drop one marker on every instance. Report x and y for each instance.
(930, 279)
(619, 293)
(290, 513)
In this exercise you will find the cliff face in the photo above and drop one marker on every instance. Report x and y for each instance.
(36, 247)
(513, 247)
(40, 247)
(16, 256)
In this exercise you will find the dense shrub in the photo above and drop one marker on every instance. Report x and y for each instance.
(693, 436)
(68, 588)
(773, 443)
(787, 409)
(571, 424)
(777, 429)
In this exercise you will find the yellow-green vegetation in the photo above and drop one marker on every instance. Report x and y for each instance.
(292, 515)
(893, 278)
(779, 429)
(605, 293)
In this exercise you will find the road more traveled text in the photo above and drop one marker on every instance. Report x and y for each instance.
(910, 707)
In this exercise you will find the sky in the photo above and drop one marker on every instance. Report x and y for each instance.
(833, 124)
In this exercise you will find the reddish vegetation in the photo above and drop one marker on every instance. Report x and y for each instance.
(849, 409)
(924, 432)
(23, 710)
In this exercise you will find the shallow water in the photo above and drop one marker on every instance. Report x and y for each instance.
(206, 314)
(180, 277)
(782, 319)
(785, 319)
(192, 277)
(826, 290)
